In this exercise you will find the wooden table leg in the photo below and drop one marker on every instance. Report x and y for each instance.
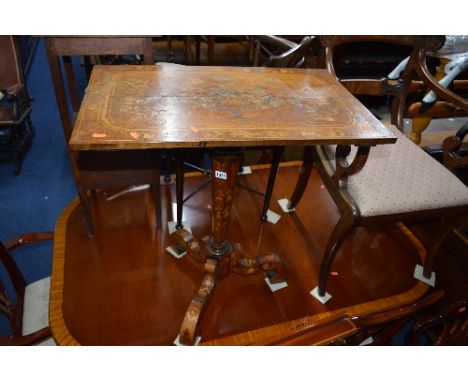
(218, 249)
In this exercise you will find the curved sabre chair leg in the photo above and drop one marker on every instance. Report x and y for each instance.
(342, 228)
(277, 153)
(306, 169)
(446, 226)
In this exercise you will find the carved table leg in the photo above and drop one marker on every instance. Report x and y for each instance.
(192, 318)
(218, 250)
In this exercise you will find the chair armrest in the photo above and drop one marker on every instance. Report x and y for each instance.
(452, 149)
(344, 169)
(275, 41)
(15, 89)
(432, 84)
(18, 96)
(452, 332)
(292, 54)
(27, 238)
(29, 339)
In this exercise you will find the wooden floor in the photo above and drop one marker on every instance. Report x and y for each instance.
(121, 287)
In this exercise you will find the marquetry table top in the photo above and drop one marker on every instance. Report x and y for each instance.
(128, 107)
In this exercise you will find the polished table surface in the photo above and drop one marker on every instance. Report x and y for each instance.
(122, 287)
(129, 107)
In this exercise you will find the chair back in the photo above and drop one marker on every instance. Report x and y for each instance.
(412, 46)
(12, 306)
(279, 52)
(447, 327)
(294, 57)
(10, 63)
(61, 49)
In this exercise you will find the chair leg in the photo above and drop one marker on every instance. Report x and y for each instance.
(445, 227)
(197, 50)
(342, 228)
(306, 169)
(86, 210)
(156, 191)
(179, 188)
(277, 153)
(166, 166)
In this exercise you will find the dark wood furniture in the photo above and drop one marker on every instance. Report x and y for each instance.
(94, 169)
(221, 108)
(451, 101)
(397, 89)
(239, 44)
(454, 152)
(391, 176)
(60, 49)
(121, 288)
(448, 327)
(278, 52)
(24, 331)
(16, 129)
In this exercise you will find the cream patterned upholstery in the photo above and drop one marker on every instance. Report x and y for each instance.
(401, 177)
(36, 308)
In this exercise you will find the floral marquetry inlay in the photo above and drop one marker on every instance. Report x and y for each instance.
(177, 106)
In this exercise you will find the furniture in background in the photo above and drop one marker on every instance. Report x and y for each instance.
(27, 307)
(397, 182)
(447, 327)
(60, 51)
(454, 152)
(16, 129)
(241, 47)
(278, 52)
(449, 83)
(97, 169)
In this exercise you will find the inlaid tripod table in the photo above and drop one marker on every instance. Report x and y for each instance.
(223, 109)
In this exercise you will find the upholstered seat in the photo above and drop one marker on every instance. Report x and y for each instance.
(387, 184)
(25, 306)
(36, 308)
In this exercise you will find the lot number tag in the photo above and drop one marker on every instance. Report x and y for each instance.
(221, 175)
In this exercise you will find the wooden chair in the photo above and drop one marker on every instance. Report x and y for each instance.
(28, 311)
(455, 153)
(451, 100)
(16, 129)
(278, 52)
(447, 327)
(94, 169)
(399, 182)
(290, 55)
(211, 41)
